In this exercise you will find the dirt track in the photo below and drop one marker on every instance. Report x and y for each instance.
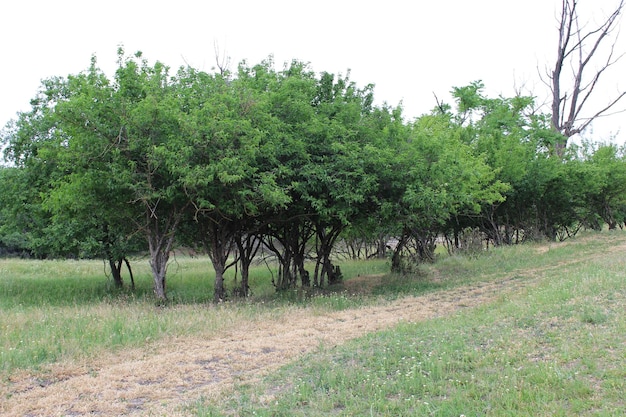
(163, 378)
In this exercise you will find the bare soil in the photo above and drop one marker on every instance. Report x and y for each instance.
(164, 378)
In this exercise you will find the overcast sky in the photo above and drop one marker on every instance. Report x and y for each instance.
(409, 49)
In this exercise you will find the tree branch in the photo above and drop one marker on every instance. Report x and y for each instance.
(578, 48)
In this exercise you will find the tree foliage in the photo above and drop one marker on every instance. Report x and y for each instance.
(291, 161)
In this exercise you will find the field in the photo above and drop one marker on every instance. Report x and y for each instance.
(529, 330)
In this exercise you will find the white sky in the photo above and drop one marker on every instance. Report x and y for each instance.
(409, 49)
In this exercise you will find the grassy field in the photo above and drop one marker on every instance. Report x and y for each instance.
(556, 347)
(55, 310)
(553, 342)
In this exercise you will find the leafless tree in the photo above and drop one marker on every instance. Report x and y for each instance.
(221, 60)
(588, 51)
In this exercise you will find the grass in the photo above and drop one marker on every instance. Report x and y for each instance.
(555, 348)
(69, 310)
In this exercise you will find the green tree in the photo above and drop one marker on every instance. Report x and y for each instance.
(318, 151)
(336, 184)
(100, 143)
(21, 214)
(605, 192)
(26, 141)
(219, 165)
(90, 199)
(516, 143)
(149, 122)
(444, 179)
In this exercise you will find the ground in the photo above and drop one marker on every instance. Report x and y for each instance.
(163, 377)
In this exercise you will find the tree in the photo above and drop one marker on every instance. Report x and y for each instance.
(21, 215)
(287, 145)
(150, 123)
(28, 139)
(444, 179)
(605, 191)
(541, 199)
(581, 48)
(90, 198)
(220, 166)
(101, 145)
(338, 186)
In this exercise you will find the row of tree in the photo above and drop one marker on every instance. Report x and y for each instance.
(290, 160)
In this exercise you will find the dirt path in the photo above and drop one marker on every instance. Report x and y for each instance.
(163, 378)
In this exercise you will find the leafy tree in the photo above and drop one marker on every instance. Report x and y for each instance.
(516, 141)
(90, 199)
(21, 216)
(338, 185)
(605, 183)
(100, 145)
(287, 232)
(383, 156)
(217, 163)
(444, 179)
(149, 119)
(26, 141)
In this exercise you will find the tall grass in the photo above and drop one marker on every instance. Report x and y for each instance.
(554, 348)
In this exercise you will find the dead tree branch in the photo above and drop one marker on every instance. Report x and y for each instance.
(580, 48)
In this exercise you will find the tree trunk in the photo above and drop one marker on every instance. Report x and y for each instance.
(130, 273)
(116, 272)
(324, 242)
(219, 293)
(381, 250)
(160, 233)
(247, 247)
(396, 258)
(245, 273)
(115, 265)
(158, 264)
(160, 246)
(158, 273)
(217, 238)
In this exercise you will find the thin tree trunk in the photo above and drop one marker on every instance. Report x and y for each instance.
(130, 272)
(247, 246)
(396, 258)
(245, 273)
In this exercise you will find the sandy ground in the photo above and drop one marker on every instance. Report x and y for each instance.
(164, 378)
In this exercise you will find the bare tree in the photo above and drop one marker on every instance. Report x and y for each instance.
(588, 52)
(221, 60)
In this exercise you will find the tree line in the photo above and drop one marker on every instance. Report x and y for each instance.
(289, 160)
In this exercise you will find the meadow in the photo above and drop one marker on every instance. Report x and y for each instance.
(66, 309)
(553, 346)
(551, 341)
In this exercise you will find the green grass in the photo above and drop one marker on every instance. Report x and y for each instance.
(555, 348)
(68, 310)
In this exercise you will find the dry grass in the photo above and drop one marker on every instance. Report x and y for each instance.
(163, 377)
(167, 377)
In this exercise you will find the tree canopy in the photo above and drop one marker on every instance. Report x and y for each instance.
(290, 160)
